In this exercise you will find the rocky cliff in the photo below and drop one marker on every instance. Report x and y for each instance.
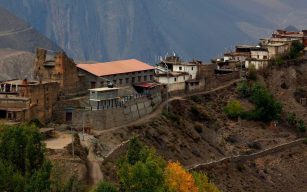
(117, 29)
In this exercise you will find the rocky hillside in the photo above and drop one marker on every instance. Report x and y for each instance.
(16, 64)
(16, 34)
(117, 29)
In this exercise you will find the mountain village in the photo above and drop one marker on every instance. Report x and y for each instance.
(101, 96)
(90, 114)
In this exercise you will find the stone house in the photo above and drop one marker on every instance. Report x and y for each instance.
(176, 74)
(57, 66)
(259, 58)
(277, 49)
(119, 73)
(23, 100)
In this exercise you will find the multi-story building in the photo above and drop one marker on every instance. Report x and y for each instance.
(119, 73)
(23, 100)
(259, 58)
(57, 66)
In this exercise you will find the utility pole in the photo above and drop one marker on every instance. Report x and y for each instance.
(83, 124)
(167, 88)
(72, 142)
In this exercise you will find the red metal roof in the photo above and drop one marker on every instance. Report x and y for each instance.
(115, 67)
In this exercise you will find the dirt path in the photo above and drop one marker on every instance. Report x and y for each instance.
(61, 141)
(94, 171)
(94, 167)
(248, 157)
(6, 33)
(160, 108)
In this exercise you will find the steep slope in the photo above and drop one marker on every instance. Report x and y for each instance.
(16, 64)
(117, 29)
(17, 34)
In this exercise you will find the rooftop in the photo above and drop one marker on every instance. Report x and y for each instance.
(25, 82)
(104, 89)
(115, 67)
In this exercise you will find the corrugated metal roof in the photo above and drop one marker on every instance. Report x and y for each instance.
(115, 67)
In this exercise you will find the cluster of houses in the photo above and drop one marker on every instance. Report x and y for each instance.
(259, 55)
(60, 82)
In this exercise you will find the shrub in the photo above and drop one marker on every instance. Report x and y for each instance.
(243, 89)
(267, 108)
(105, 187)
(295, 50)
(291, 119)
(233, 109)
(301, 126)
(171, 116)
(252, 73)
(203, 184)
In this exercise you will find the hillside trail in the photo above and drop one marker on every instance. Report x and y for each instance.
(94, 171)
(267, 151)
(7, 33)
(160, 108)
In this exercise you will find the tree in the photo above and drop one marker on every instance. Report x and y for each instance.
(22, 163)
(105, 187)
(203, 183)
(243, 89)
(141, 169)
(295, 50)
(266, 107)
(21, 145)
(233, 109)
(178, 179)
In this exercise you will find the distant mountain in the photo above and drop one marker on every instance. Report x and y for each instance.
(16, 34)
(18, 41)
(144, 29)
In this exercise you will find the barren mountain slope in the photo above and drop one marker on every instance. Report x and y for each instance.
(17, 34)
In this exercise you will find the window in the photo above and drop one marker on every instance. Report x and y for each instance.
(102, 83)
(175, 79)
(68, 117)
(93, 85)
(265, 57)
(192, 68)
(139, 78)
(127, 80)
(180, 68)
(114, 81)
(151, 77)
(120, 81)
(133, 79)
(145, 78)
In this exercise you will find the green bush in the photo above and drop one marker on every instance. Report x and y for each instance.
(266, 107)
(105, 187)
(301, 126)
(243, 89)
(233, 109)
(295, 50)
(291, 119)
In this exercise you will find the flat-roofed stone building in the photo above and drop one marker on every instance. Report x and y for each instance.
(23, 100)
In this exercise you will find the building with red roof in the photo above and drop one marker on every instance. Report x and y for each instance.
(119, 73)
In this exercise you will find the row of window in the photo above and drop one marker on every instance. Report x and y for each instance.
(129, 80)
(133, 73)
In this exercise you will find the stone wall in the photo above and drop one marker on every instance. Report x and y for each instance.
(107, 118)
(241, 158)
